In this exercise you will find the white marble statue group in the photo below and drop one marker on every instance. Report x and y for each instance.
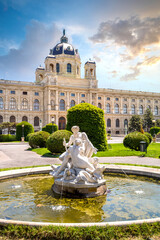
(78, 166)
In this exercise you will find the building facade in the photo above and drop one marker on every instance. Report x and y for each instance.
(59, 86)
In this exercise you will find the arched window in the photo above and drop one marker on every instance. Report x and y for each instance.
(99, 105)
(149, 107)
(52, 104)
(12, 103)
(125, 123)
(156, 110)
(69, 68)
(140, 109)
(36, 121)
(1, 103)
(133, 109)
(125, 108)
(57, 67)
(116, 108)
(108, 122)
(91, 72)
(62, 123)
(40, 77)
(24, 118)
(117, 122)
(108, 108)
(24, 104)
(62, 105)
(12, 119)
(36, 104)
(72, 103)
(51, 67)
(1, 119)
(83, 101)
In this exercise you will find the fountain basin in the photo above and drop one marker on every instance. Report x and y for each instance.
(131, 170)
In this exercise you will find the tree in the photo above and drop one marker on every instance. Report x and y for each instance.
(147, 119)
(135, 123)
(23, 129)
(158, 122)
(8, 125)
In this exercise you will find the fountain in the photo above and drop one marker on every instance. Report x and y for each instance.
(80, 175)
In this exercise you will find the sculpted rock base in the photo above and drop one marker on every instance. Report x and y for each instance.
(73, 190)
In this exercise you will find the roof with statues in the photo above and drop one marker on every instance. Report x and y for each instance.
(63, 47)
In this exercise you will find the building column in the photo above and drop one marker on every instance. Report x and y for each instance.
(57, 100)
(49, 99)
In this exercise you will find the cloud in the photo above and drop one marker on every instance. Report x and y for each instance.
(22, 62)
(134, 33)
(97, 59)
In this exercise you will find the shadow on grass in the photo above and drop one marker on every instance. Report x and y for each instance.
(50, 155)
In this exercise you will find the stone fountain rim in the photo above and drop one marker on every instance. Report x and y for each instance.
(140, 171)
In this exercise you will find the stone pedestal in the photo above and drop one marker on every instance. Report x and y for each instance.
(79, 190)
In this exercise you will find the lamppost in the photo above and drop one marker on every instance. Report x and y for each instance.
(154, 135)
(22, 138)
(52, 120)
(125, 129)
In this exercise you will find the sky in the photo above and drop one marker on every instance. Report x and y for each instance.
(122, 36)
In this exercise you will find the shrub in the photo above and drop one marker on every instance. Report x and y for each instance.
(149, 136)
(50, 128)
(28, 128)
(154, 130)
(132, 140)
(7, 138)
(28, 136)
(90, 119)
(55, 141)
(38, 139)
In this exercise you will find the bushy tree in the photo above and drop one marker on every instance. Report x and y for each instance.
(55, 141)
(8, 125)
(28, 128)
(132, 140)
(38, 139)
(135, 123)
(90, 119)
(154, 130)
(158, 122)
(50, 128)
(147, 119)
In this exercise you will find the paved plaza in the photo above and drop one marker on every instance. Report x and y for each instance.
(18, 155)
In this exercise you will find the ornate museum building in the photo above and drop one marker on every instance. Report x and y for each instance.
(59, 86)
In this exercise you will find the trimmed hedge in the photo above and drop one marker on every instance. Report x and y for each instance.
(38, 139)
(49, 127)
(90, 120)
(149, 136)
(28, 136)
(154, 130)
(7, 138)
(55, 141)
(28, 128)
(132, 140)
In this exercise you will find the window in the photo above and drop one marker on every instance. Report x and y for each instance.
(125, 123)
(133, 109)
(36, 104)
(36, 121)
(12, 92)
(116, 99)
(12, 103)
(148, 101)
(141, 100)
(149, 107)
(36, 93)
(62, 105)
(125, 108)
(72, 103)
(24, 93)
(117, 132)
(108, 98)
(108, 122)
(156, 110)
(62, 94)
(12, 119)
(69, 68)
(100, 105)
(24, 104)
(156, 101)
(57, 67)
(72, 94)
(1, 103)
(125, 99)
(83, 101)
(116, 108)
(141, 110)
(62, 123)
(52, 104)
(51, 67)
(1, 91)
(82, 95)
(99, 98)
(117, 123)
(24, 118)
(1, 119)
(133, 100)
(108, 108)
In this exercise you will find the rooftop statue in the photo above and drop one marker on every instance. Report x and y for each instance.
(78, 169)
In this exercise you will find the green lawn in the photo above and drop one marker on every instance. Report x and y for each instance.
(115, 150)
